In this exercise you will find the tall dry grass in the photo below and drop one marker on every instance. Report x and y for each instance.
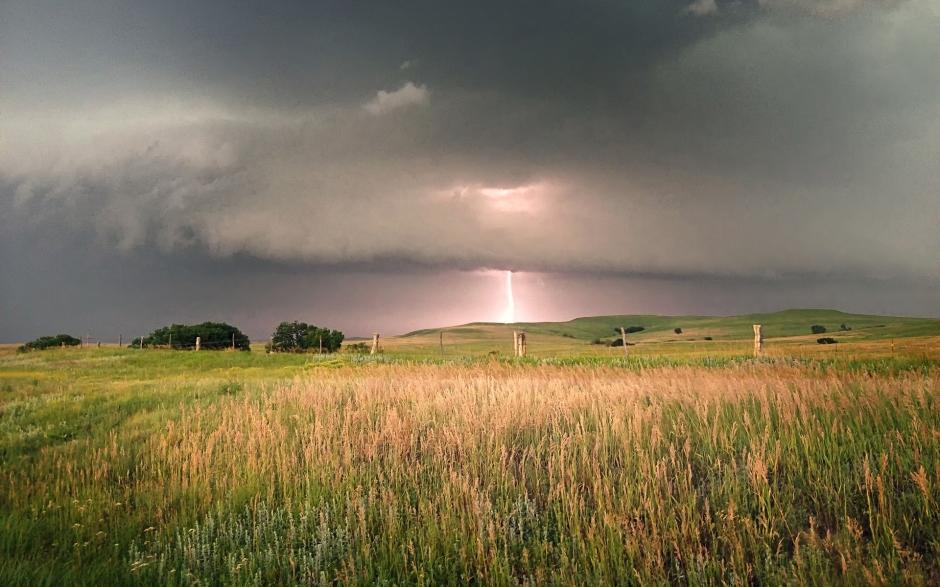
(508, 474)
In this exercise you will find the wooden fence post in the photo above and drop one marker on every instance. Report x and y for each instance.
(515, 343)
(758, 340)
(442, 343)
(198, 342)
(375, 343)
(522, 344)
(623, 339)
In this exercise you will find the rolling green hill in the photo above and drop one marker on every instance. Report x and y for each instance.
(730, 333)
(776, 324)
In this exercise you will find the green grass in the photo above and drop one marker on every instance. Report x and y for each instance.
(786, 323)
(678, 463)
(787, 332)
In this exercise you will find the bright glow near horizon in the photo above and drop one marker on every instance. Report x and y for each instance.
(509, 314)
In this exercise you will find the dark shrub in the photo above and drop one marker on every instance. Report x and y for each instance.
(619, 342)
(299, 337)
(826, 340)
(45, 342)
(630, 329)
(359, 348)
(845, 328)
(818, 329)
(677, 330)
(708, 338)
(214, 336)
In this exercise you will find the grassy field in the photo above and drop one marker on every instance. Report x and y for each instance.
(686, 462)
(787, 334)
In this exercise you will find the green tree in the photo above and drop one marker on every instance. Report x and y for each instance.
(45, 342)
(212, 336)
(299, 337)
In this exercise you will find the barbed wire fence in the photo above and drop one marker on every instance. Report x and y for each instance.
(141, 342)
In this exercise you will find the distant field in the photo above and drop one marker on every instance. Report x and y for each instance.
(684, 462)
(787, 333)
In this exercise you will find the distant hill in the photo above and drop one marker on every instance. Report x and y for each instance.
(787, 323)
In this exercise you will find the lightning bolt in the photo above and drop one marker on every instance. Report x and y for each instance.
(510, 313)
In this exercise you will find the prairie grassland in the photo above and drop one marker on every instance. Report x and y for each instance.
(788, 333)
(495, 473)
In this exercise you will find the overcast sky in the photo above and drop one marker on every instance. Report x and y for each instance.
(373, 166)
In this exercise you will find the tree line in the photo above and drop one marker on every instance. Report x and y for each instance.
(288, 337)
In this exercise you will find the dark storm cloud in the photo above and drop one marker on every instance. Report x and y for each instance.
(747, 139)
(298, 52)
